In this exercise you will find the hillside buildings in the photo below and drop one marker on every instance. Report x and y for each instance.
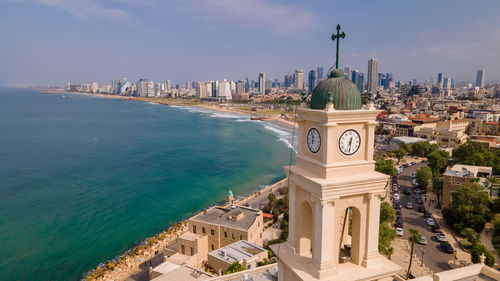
(457, 175)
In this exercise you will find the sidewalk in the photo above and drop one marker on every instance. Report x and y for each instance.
(401, 257)
(438, 218)
(486, 240)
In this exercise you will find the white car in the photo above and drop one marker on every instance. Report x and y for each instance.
(399, 231)
(396, 197)
(423, 240)
(429, 221)
(441, 237)
(409, 205)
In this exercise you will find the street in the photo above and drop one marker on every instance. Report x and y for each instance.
(434, 258)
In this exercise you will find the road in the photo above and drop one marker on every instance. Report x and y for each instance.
(434, 258)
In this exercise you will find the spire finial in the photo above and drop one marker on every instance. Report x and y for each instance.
(337, 37)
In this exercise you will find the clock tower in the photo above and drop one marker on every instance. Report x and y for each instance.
(334, 190)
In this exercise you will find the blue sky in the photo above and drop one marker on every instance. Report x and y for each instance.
(48, 42)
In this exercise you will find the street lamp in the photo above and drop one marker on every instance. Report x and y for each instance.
(422, 261)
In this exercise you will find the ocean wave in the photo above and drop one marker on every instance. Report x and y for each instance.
(276, 130)
(283, 136)
(225, 115)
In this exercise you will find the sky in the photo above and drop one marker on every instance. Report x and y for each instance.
(51, 42)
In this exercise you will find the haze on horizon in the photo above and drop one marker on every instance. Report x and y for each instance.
(48, 42)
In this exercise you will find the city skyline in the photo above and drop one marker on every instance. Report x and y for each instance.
(57, 41)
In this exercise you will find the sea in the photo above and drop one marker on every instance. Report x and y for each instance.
(83, 179)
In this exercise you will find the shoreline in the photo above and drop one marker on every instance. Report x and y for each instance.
(273, 117)
(128, 263)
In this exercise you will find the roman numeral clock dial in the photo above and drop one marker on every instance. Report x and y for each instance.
(313, 140)
(349, 142)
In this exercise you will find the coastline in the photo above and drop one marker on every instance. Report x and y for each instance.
(129, 262)
(273, 117)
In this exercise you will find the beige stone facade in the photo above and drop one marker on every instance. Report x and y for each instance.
(247, 254)
(323, 186)
(451, 133)
(458, 175)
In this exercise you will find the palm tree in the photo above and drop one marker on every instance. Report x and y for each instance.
(492, 181)
(414, 237)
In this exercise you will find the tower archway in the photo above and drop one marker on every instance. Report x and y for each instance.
(305, 235)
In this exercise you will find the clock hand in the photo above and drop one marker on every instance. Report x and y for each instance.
(350, 142)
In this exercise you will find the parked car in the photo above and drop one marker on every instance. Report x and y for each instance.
(399, 216)
(399, 231)
(416, 196)
(409, 205)
(424, 161)
(441, 237)
(446, 247)
(423, 240)
(399, 223)
(429, 221)
(436, 228)
(398, 211)
(418, 191)
(418, 200)
(427, 215)
(421, 209)
(395, 197)
(397, 205)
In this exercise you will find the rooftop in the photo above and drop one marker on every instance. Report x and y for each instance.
(460, 170)
(232, 216)
(237, 251)
(170, 271)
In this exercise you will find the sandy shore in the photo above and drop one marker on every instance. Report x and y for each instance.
(227, 108)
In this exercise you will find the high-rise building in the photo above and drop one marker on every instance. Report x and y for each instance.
(312, 80)
(188, 85)
(224, 90)
(262, 82)
(299, 79)
(95, 87)
(381, 77)
(388, 80)
(319, 72)
(372, 75)
(215, 86)
(168, 84)
(440, 80)
(447, 83)
(358, 79)
(347, 72)
(240, 87)
(145, 88)
(201, 90)
(480, 78)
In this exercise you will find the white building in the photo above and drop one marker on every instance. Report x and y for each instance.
(224, 90)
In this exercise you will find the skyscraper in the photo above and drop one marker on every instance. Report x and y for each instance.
(319, 72)
(347, 72)
(440, 80)
(447, 83)
(312, 80)
(299, 79)
(360, 81)
(262, 82)
(480, 78)
(372, 75)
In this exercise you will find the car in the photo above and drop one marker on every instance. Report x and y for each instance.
(395, 197)
(418, 191)
(413, 163)
(399, 216)
(246, 204)
(423, 240)
(416, 196)
(399, 223)
(399, 231)
(429, 221)
(441, 237)
(436, 228)
(407, 191)
(427, 215)
(409, 205)
(446, 247)
(418, 201)
(414, 175)
(424, 161)
(397, 205)
(398, 211)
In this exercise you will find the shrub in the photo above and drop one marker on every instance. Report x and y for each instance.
(479, 249)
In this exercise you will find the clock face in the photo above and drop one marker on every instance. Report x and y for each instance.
(313, 140)
(349, 142)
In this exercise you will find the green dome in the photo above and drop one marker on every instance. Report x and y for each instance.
(230, 193)
(344, 94)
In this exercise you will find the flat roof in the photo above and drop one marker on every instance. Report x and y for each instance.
(460, 170)
(408, 139)
(225, 216)
(237, 251)
(184, 273)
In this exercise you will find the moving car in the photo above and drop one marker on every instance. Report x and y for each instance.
(429, 221)
(441, 237)
(423, 240)
(446, 247)
(399, 231)
(409, 205)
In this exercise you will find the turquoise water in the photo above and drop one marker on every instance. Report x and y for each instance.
(82, 179)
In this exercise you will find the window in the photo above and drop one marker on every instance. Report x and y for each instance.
(212, 247)
(191, 250)
(194, 229)
(241, 237)
(261, 235)
(232, 236)
(225, 234)
(203, 230)
(212, 232)
(183, 250)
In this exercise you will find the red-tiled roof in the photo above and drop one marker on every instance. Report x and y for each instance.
(268, 216)
(491, 123)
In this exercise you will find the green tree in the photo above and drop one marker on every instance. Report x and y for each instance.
(385, 236)
(470, 234)
(438, 161)
(406, 147)
(422, 148)
(437, 187)
(400, 154)
(235, 267)
(424, 176)
(272, 198)
(468, 208)
(389, 252)
(387, 212)
(386, 167)
(492, 181)
(477, 250)
(414, 237)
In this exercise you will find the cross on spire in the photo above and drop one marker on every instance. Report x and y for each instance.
(338, 36)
